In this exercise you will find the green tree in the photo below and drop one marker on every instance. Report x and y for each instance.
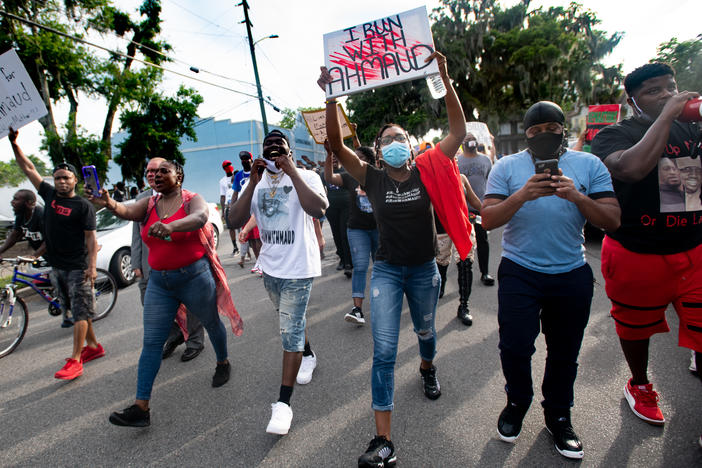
(290, 116)
(686, 58)
(155, 130)
(11, 175)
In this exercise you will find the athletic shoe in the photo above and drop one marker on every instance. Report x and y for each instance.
(88, 353)
(564, 437)
(380, 454)
(304, 374)
(355, 316)
(348, 271)
(693, 363)
(509, 424)
(132, 416)
(432, 389)
(643, 401)
(221, 375)
(70, 370)
(281, 418)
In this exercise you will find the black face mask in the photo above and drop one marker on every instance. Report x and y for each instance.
(545, 145)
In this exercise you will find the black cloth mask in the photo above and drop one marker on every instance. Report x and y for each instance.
(545, 145)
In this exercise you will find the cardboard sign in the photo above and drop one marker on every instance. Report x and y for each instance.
(598, 117)
(316, 122)
(380, 52)
(20, 102)
(481, 132)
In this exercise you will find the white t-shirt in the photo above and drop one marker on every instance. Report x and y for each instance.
(290, 249)
(224, 184)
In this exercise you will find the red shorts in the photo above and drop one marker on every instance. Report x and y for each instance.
(641, 286)
(253, 234)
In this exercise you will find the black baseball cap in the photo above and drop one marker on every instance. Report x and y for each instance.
(276, 133)
(67, 167)
(245, 155)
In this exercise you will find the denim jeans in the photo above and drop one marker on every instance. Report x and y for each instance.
(290, 298)
(363, 244)
(558, 304)
(420, 283)
(192, 285)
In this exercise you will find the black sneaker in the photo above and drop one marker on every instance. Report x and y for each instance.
(380, 454)
(564, 437)
(221, 375)
(509, 424)
(132, 416)
(487, 280)
(464, 315)
(355, 316)
(432, 389)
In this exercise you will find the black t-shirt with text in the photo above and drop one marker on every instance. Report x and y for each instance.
(661, 213)
(33, 229)
(361, 214)
(404, 216)
(65, 223)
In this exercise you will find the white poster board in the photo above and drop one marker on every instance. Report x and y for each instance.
(20, 102)
(378, 53)
(316, 122)
(481, 132)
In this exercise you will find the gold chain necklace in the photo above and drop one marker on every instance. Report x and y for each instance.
(274, 182)
(167, 209)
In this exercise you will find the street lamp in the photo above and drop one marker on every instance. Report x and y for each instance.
(272, 36)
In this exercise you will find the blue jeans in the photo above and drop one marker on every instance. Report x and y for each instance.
(192, 285)
(363, 244)
(420, 283)
(290, 298)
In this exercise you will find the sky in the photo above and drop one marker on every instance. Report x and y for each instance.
(208, 35)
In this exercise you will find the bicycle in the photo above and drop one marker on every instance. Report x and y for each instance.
(14, 320)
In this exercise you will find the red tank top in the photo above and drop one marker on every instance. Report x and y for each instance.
(183, 249)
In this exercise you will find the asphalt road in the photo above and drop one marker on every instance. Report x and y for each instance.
(44, 421)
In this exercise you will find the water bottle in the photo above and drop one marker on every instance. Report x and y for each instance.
(436, 86)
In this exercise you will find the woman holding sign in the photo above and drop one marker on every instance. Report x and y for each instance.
(401, 197)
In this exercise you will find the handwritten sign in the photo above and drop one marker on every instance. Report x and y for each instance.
(481, 132)
(380, 52)
(317, 124)
(20, 102)
(598, 117)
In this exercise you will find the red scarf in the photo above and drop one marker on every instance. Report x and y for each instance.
(225, 304)
(440, 176)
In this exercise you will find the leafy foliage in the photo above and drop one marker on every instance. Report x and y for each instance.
(686, 58)
(11, 175)
(290, 116)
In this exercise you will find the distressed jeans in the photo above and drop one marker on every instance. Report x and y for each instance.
(290, 298)
(363, 244)
(420, 283)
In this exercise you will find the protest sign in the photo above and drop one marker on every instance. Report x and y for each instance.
(316, 122)
(20, 102)
(481, 132)
(378, 53)
(598, 117)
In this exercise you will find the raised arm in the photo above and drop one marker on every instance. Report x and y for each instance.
(24, 163)
(456, 119)
(353, 165)
(329, 176)
(133, 211)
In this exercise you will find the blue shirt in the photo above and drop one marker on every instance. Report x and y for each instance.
(546, 234)
(239, 180)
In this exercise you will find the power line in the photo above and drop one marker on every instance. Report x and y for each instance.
(81, 40)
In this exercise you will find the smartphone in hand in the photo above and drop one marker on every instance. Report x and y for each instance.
(540, 166)
(92, 183)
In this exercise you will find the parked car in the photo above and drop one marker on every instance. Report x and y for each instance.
(114, 237)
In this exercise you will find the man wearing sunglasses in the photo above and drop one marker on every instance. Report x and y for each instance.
(71, 248)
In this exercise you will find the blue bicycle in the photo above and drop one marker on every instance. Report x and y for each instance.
(14, 317)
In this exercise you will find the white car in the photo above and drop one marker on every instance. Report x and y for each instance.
(114, 237)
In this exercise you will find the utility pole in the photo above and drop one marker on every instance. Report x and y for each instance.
(245, 4)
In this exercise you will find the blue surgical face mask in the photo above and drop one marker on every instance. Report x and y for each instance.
(395, 154)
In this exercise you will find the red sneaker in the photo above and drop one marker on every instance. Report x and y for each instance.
(70, 371)
(88, 353)
(643, 401)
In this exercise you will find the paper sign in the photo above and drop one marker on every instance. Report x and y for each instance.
(378, 53)
(20, 102)
(599, 117)
(481, 132)
(316, 122)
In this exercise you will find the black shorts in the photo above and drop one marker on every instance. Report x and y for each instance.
(74, 293)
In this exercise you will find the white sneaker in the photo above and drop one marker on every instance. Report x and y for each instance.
(304, 374)
(693, 364)
(281, 418)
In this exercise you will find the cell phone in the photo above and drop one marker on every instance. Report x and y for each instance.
(550, 164)
(92, 183)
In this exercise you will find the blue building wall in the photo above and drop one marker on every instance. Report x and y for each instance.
(218, 140)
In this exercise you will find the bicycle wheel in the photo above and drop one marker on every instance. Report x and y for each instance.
(13, 324)
(105, 294)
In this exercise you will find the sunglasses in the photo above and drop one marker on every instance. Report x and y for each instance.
(399, 137)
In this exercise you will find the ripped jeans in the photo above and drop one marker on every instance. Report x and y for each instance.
(420, 283)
